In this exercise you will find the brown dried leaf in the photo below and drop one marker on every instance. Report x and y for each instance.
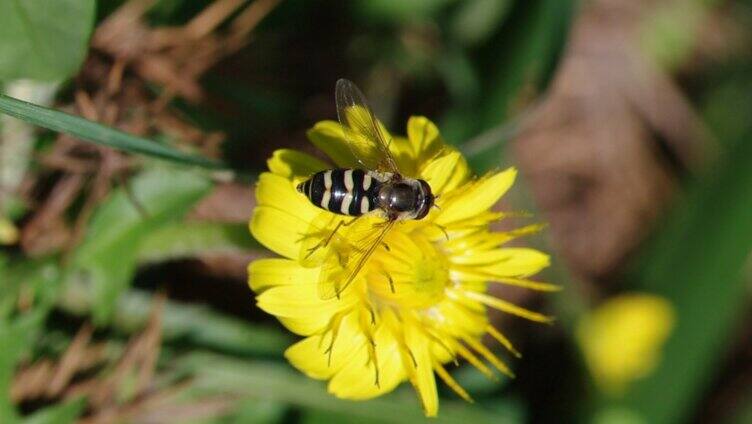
(603, 152)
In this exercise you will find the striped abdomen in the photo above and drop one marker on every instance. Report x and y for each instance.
(343, 191)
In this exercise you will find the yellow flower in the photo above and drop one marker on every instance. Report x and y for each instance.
(622, 339)
(420, 301)
(8, 232)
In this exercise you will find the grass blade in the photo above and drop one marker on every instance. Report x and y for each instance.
(98, 133)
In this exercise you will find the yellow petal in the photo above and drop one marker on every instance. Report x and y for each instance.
(514, 257)
(8, 232)
(275, 190)
(299, 307)
(452, 383)
(293, 164)
(356, 379)
(463, 316)
(425, 380)
(446, 172)
(490, 356)
(422, 144)
(483, 239)
(424, 138)
(403, 154)
(504, 306)
(474, 361)
(478, 197)
(282, 217)
(473, 223)
(265, 273)
(328, 137)
(528, 284)
(309, 355)
(503, 340)
(622, 339)
(499, 263)
(278, 230)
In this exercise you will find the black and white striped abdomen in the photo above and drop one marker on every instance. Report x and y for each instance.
(342, 191)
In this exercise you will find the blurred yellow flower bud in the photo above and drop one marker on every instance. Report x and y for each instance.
(622, 339)
(8, 232)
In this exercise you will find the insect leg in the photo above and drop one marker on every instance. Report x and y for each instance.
(325, 241)
(347, 224)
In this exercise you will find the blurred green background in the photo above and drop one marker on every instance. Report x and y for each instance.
(123, 246)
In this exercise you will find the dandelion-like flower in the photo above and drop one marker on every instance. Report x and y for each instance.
(420, 301)
(622, 339)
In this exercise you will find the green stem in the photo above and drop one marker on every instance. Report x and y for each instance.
(97, 133)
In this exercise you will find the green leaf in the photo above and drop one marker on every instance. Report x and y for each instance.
(256, 412)
(17, 337)
(9, 356)
(743, 412)
(42, 39)
(476, 20)
(107, 258)
(40, 277)
(61, 413)
(700, 263)
(670, 32)
(532, 45)
(280, 383)
(195, 325)
(186, 240)
(397, 10)
(97, 133)
(521, 58)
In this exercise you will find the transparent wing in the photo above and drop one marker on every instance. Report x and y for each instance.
(342, 266)
(363, 132)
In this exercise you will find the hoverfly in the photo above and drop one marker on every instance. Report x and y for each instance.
(378, 188)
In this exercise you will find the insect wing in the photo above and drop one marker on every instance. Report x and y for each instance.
(341, 267)
(364, 134)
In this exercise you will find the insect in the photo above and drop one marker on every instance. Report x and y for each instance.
(378, 188)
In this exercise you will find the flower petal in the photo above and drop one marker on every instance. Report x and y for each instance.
(463, 316)
(353, 382)
(278, 230)
(424, 138)
(328, 137)
(309, 355)
(425, 382)
(482, 239)
(622, 338)
(513, 256)
(446, 172)
(499, 263)
(476, 198)
(278, 191)
(299, 307)
(452, 383)
(272, 272)
(283, 216)
(293, 164)
(403, 154)
(508, 307)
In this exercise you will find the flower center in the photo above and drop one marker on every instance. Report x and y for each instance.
(411, 273)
